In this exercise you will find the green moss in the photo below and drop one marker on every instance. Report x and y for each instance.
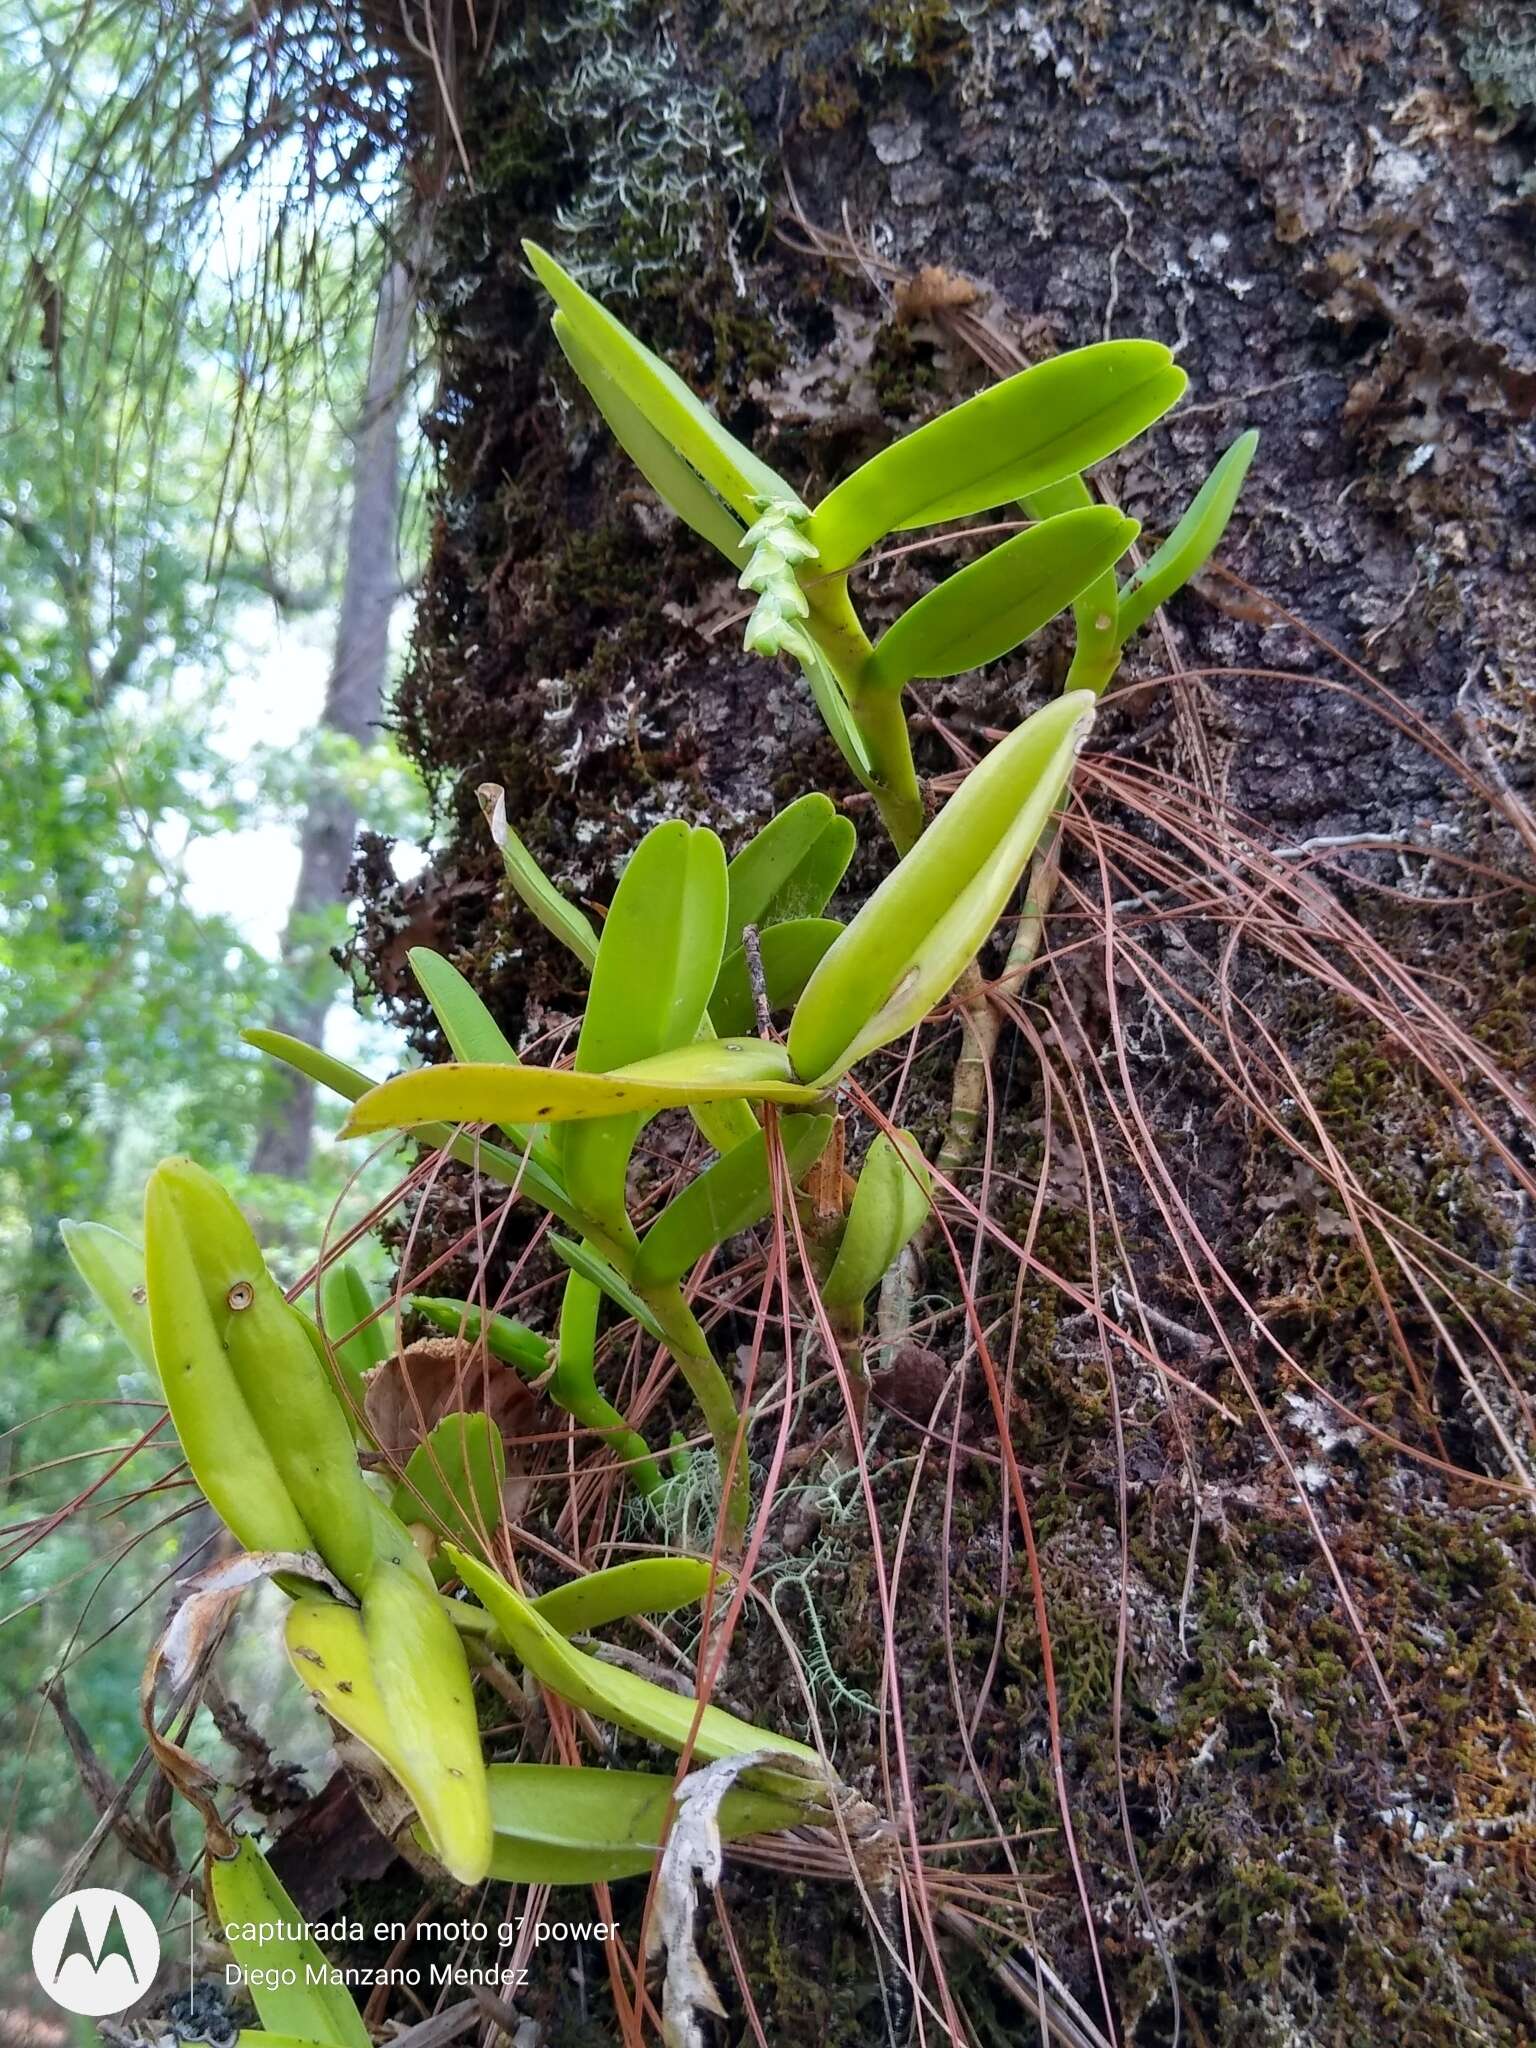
(916, 35)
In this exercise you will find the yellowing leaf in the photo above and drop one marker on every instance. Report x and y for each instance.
(907, 946)
(713, 1070)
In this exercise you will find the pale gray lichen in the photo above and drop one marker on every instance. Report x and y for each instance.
(668, 170)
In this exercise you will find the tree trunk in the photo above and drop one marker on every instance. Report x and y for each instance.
(1323, 211)
(353, 697)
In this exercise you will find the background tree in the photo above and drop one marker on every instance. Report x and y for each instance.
(1328, 221)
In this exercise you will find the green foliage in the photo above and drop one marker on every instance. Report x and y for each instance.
(623, 1697)
(294, 1991)
(1029, 438)
(890, 1205)
(558, 1824)
(453, 1480)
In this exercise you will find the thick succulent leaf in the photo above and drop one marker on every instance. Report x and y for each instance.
(534, 1173)
(112, 1266)
(425, 1737)
(835, 713)
(1047, 422)
(528, 881)
(1096, 608)
(470, 1029)
(909, 943)
(647, 1585)
(601, 1273)
(890, 1205)
(1192, 542)
(731, 1195)
(258, 2037)
(656, 964)
(292, 1986)
(711, 1070)
(356, 1343)
(197, 1247)
(724, 1125)
(452, 1481)
(505, 1338)
(573, 1824)
(673, 480)
(624, 1697)
(984, 610)
(661, 397)
(659, 952)
(789, 953)
(790, 868)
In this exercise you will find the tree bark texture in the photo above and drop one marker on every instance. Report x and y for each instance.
(1329, 213)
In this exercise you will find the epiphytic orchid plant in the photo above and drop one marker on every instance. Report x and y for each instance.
(717, 986)
(694, 951)
(1027, 439)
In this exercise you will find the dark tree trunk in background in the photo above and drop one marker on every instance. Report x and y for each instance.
(1329, 213)
(354, 694)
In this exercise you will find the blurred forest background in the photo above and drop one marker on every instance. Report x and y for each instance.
(302, 533)
(210, 358)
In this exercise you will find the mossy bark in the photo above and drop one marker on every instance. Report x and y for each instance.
(1332, 222)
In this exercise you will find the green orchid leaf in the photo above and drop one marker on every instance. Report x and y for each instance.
(534, 1174)
(470, 1029)
(601, 1273)
(623, 1697)
(648, 1585)
(528, 881)
(710, 1070)
(790, 868)
(452, 1481)
(890, 1205)
(673, 480)
(296, 1993)
(660, 950)
(732, 1195)
(723, 1125)
(112, 1267)
(1096, 608)
(573, 1824)
(1192, 542)
(836, 714)
(656, 964)
(909, 943)
(790, 954)
(574, 1385)
(1048, 422)
(661, 397)
(510, 1341)
(257, 2037)
(571, 1363)
(357, 1343)
(984, 610)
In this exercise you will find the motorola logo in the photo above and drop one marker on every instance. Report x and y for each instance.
(95, 1952)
